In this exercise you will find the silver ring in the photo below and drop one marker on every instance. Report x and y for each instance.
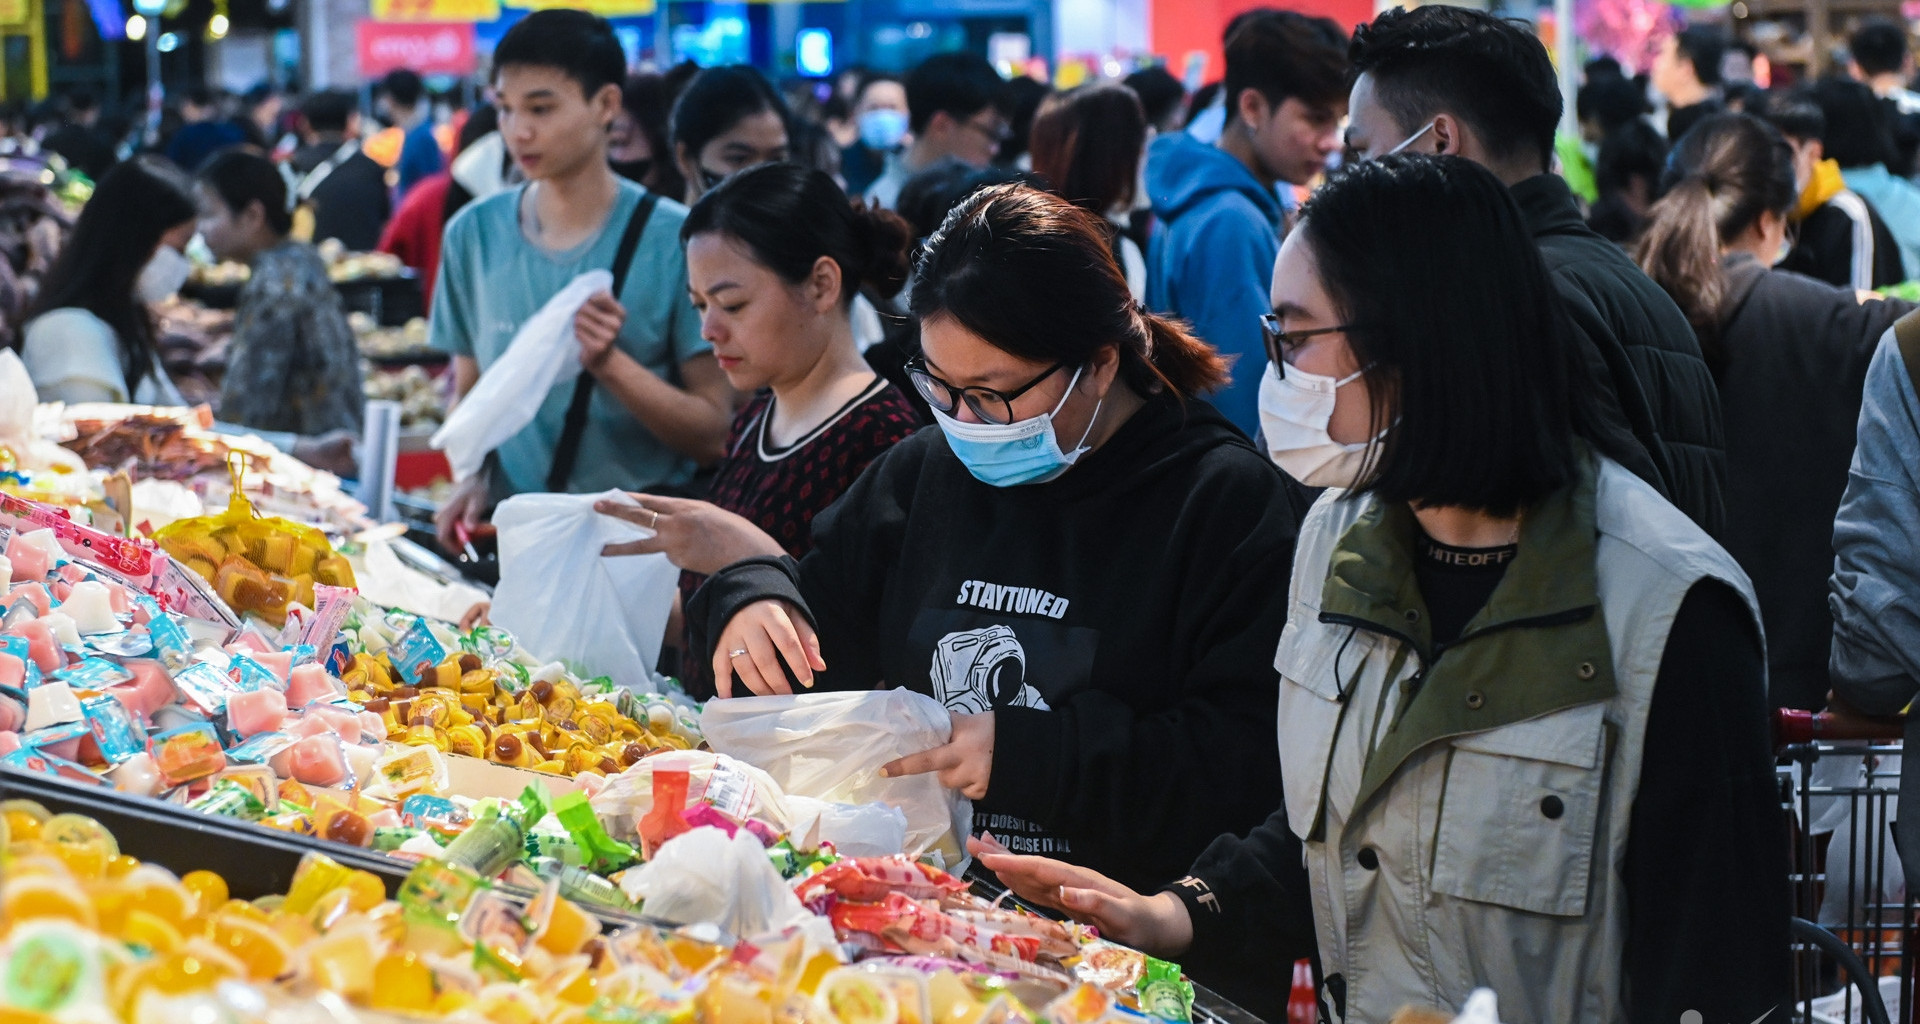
(654, 523)
(737, 653)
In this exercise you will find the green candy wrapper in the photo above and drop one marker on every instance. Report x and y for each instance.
(1164, 993)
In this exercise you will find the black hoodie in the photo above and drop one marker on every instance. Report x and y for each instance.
(1120, 621)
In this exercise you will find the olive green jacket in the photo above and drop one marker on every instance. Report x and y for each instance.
(1465, 817)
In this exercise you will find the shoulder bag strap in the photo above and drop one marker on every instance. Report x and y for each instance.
(568, 450)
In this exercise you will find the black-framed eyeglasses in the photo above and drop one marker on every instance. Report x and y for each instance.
(991, 406)
(1280, 342)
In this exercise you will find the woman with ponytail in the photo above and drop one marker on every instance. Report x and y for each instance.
(1081, 563)
(775, 256)
(1790, 355)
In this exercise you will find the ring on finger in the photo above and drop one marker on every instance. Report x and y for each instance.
(736, 654)
(654, 523)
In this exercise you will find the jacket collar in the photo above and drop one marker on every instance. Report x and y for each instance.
(1547, 205)
(1742, 273)
(1539, 645)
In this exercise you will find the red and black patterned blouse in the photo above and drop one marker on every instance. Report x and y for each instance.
(782, 489)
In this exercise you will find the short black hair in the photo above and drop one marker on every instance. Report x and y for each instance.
(1704, 46)
(1023, 98)
(580, 45)
(403, 86)
(788, 216)
(1879, 46)
(1612, 101)
(1475, 361)
(200, 96)
(1859, 132)
(928, 196)
(1796, 115)
(241, 177)
(329, 110)
(1160, 93)
(1283, 54)
(1491, 72)
(716, 100)
(957, 84)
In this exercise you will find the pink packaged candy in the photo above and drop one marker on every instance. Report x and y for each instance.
(34, 594)
(42, 647)
(345, 722)
(255, 712)
(308, 683)
(30, 561)
(151, 688)
(315, 761)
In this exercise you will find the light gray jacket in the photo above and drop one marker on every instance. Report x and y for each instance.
(1477, 836)
(1875, 593)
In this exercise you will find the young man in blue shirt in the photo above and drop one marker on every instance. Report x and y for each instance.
(657, 405)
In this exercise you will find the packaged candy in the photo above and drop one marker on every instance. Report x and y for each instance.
(95, 674)
(308, 683)
(61, 741)
(249, 675)
(316, 761)
(205, 687)
(27, 759)
(115, 732)
(417, 652)
(256, 712)
(151, 688)
(136, 775)
(260, 749)
(187, 753)
(91, 609)
(229, 799)
(407, 771)
(423, 810)
(257, 565)
(1164, 993)
(491, 843)
(171, 644)
(52, 704)
(18, 667)
(42, 646)
(602, 852)
(13, 714)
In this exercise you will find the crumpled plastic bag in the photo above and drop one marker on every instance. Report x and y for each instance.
(564, 601)
(740, 791)
(18, 399)
(705, 877)
(543, 353)
(831, 746)
(855, 830)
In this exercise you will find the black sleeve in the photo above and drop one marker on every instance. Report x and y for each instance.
(1252, 916)
(1706, 866)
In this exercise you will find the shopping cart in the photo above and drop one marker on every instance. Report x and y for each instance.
(1855, 938)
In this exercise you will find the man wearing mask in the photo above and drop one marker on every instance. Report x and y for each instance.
(1469, 84)
(955, 110)
(1210, 264)
(880, 115)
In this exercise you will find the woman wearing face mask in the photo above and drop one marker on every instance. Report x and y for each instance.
(1089, 143)
(91, 338)
(1078, 563)
(727, 119)
(1790, 356)
(774, 257)
(637, 142)
(292, 366)
(1522, 715)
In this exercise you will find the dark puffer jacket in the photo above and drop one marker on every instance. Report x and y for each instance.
(1661, 384)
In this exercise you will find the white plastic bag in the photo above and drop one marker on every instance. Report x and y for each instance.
(855, 830)
(704, 877)
(565, 602)
(543, 353)
(831, 746)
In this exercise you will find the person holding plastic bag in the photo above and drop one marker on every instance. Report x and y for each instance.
(775, 256)
(1523, 720)
(1081, 564)
(652, 404)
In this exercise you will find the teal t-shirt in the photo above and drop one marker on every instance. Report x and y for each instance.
(492, 279)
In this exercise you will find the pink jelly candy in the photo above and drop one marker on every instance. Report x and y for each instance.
(12, 715)
(152, 686)
(62, 590)
(34, 594)
(255, 712)
(344, 722)
(277, 662)
(118, 599)
(308, 683)
(9, 742)
(41, 646)
(30, 561)
(317, 761)
(13, 671)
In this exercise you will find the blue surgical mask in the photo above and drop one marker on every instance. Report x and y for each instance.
(882, 128)
(1011, 454)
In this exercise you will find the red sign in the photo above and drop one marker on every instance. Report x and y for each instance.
(430, 49)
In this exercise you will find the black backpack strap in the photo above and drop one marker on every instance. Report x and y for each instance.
(568, 450)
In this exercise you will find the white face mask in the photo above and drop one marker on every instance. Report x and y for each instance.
(1295, 409)
(162, 276)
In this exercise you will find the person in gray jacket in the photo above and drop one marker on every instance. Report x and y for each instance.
(1875, 592)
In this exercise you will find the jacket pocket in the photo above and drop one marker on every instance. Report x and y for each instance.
(1311, 700)
(1519, 812)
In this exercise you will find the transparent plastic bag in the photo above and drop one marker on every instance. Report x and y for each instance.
(831, 746)
(564, 601)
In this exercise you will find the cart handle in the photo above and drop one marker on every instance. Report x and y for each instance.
(1791, 726)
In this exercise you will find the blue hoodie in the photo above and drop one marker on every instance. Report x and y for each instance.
(1210, 260)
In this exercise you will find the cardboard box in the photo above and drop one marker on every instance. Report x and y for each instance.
(475, 777)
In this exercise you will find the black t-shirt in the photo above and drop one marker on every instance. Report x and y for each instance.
(1456, 582)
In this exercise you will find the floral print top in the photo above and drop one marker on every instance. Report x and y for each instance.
(293, 364)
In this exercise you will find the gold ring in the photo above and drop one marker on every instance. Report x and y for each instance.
(654, 523)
